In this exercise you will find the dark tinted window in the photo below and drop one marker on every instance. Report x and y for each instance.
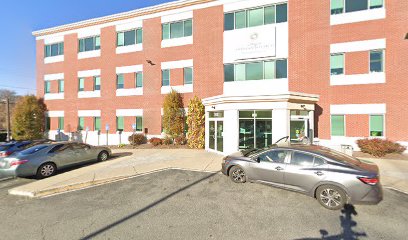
(229, 73)
(282, 68)
(275, 156)
(302, 159)
(229, 21)
(281, 13)
(130, 37)
(79, 146)
(5, 147)
(33, 150)
(60, 148)
(356, 5)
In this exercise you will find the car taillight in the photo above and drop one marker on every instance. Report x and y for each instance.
(5, 154)
(369, 181)
(19, 162)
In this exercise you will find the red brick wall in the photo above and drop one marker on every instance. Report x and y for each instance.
(357, 125)
(208, 75)
(357, 63)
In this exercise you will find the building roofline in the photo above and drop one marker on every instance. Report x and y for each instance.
(120, 16)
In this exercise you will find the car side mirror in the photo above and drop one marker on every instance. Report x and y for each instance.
(258, 159)
(87, 148)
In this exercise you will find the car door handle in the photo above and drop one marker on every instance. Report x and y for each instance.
(319, 173)
(279, 168)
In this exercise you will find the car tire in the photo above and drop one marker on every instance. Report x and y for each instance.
(103, 156)
(237, 174)
(331, 197)
(46, 170)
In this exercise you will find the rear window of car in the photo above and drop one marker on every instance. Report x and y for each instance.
(33, 150)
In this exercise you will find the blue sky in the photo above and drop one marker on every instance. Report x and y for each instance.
(19, 18)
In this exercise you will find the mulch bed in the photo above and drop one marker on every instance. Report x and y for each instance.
(393, 156)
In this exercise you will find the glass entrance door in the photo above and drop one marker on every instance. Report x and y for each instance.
(216, 135)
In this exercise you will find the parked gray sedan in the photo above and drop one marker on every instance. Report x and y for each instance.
(331, 177)
(45, 159)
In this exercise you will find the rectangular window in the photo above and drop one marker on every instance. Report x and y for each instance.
(130, 37)
(269, 15)
(376, 61)
(47, 87)
(166, 77)
(240, 20)
(139, 79)
(281, 68)
(188, 75)
(337, 64)
(270, 70)
(356, 5)
(376, 4)
(229, 73)
(47, 123)
(97, 83)
(281, 13)
(55, 49)
(120, 81)
(254, 71)
(177, 29)
(139, 124)
(229, 21)
(240, 74)
(255, 17)
(60, 86)
(81, 123)
(97, 123)
(337, 125)
(61, 123)
(336, 6)
(120, 123)
(89, 44)
(274, 69)
(376, 125)
(81, 84)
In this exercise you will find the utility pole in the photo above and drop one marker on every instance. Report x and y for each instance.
(8, 118)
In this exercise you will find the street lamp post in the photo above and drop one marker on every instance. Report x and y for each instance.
(7, 102)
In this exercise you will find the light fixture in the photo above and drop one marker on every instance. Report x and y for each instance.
(213, 107)
(406, 36)
(150, 62)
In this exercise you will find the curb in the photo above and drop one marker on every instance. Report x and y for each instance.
(396, 189)
(74, 187)
(80, 186)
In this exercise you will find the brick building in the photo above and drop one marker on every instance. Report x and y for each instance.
(333, 70)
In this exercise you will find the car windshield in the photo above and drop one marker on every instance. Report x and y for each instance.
(33, 150)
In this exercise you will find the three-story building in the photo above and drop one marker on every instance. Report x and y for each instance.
(332, 70)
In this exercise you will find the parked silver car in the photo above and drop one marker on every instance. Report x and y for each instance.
(45, 159)
(331, 177)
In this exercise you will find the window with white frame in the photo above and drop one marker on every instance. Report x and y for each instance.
(131, 37)
(89, 44)
(177, 29)
(376, 125)
(165, 77)
(273, 69)
(259, 16)
(55, 49)
(345, 6)
(188, 75)
(338, 125)
(376, 60)
(337, 64)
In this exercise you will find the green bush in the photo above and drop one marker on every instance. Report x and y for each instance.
(378, 147)
(137, 139)
(156, 141)
(196, 123)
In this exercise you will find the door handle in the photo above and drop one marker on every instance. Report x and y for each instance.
(279, 168)
(319, 173)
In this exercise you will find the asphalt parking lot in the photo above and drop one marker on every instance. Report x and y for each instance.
(177, 204)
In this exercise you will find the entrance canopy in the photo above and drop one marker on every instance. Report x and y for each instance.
(243, 122)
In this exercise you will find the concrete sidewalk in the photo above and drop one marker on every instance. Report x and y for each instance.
(133, 162)
(393, 173)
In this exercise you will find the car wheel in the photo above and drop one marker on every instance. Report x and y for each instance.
(331, 197)
(103, 156)
(46, 170)
(237, 174)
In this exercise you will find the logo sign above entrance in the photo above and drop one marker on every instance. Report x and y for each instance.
(247, 43)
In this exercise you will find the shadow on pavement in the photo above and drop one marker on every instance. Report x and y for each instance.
(347, 224)
(119, 155)
(132, 215)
